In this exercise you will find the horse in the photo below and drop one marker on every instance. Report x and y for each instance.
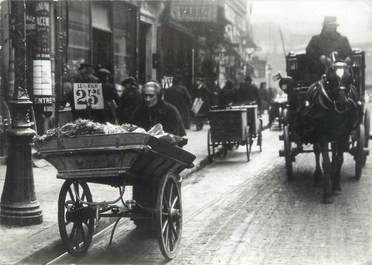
(331, 112)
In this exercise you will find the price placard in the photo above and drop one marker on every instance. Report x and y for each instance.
(88, 94)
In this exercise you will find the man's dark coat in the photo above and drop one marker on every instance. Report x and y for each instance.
(164, 113)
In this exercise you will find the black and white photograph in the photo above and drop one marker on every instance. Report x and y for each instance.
(195, 132)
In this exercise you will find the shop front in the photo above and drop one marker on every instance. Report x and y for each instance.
(100, 33)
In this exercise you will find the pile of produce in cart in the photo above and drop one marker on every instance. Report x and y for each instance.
(88, 152)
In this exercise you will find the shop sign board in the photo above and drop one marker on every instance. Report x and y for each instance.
(194, 12)
(88, 94)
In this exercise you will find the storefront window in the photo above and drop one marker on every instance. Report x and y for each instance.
(78, 34)
(125, 41)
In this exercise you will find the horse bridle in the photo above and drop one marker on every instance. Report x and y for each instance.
(332, 102)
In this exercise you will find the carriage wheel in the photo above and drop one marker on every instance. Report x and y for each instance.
(359, 155)
(280, 117)
(285, 116)
(367, 124)
(211, 146)
(259, 137)
(169, 216)
(248, 144)
(288, 152)
(75, 221)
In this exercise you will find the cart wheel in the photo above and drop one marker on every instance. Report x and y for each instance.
(211, 149)
(288, 153)
(280, 117)
(248, 144)
(75, 221)
(285, 116)
(169, 216)
(359, 155)
(367, 124)
(259, 137)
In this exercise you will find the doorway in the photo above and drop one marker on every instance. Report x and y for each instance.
(144, 52)
(102, 49)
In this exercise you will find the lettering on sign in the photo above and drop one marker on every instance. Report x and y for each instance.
(44, 100)
(88, 94)
(194, 13)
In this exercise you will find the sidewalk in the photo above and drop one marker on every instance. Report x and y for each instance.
(17, 243)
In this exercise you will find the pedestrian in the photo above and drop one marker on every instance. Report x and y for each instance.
(248, 93)
(179, 96)
(110, 107)
(155, 110)
(264, 97)
(129, 100)
(200, 95)
(85, 75)
(214, 96)
(228, 94)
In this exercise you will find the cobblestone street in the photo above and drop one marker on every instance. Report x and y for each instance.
(247, 213)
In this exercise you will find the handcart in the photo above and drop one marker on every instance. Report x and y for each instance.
(234, 126)
(150, 165)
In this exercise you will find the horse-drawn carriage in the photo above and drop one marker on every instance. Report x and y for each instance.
(150, 165)
(234, 126)
(323, 107)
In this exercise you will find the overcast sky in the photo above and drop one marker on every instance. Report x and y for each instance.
(305, 17)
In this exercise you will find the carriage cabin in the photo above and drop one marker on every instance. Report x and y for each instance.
(297, 68)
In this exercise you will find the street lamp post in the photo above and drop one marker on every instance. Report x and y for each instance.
(19, 205)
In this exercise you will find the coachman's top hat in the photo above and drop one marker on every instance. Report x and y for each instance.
(328, 20)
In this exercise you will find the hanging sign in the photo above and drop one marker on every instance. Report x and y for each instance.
(187, 11)
(88, 95)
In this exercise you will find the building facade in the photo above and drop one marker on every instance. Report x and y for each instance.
(144, 39)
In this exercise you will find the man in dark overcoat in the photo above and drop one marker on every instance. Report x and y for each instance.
(248, 93)
(179, 96)
(156, 110)
(322, 45)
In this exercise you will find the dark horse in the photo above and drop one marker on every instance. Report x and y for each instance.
(331, 112)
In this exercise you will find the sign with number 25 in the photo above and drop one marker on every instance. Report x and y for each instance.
(88, 94)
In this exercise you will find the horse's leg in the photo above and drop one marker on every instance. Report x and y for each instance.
(327, 171)
(339, 160)
(318, 171)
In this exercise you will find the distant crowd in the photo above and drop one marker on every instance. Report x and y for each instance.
(175, 107)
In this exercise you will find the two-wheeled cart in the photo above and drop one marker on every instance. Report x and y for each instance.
(234, 126)
(150, 165)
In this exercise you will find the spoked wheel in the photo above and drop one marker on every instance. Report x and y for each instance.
(75, 220)
(248, 144)
(359, 155)
(259, 136)
(211, 149)
(280, 117)
(367, 124)
(288, 153)
(169, 216)
(285, 116)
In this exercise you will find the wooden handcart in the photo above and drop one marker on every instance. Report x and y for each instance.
(150, 165)
(234, 126)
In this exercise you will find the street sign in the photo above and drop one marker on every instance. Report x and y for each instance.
(88, 94)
